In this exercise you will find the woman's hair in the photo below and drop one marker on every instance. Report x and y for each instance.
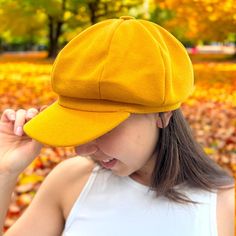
(181, 159)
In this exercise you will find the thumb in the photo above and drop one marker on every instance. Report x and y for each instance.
(43, 107)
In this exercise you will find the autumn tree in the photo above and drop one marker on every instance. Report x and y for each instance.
(209, 20)
(19, 23)
(58, 18)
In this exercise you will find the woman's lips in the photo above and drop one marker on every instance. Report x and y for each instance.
(108, 165)
(104, 160)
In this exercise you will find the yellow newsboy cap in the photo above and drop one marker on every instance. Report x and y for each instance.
(108, 71)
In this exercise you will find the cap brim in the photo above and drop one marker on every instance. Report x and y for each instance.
(60, 127)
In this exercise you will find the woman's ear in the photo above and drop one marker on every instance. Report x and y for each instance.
(167, 116)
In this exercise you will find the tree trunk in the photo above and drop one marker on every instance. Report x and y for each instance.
(54, 34)
(1, 45)
(93, 7)
(234, 56)
(55, 30)
(52, 45)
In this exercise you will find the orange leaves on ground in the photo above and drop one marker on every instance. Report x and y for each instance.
(210, 111)
(25, 83)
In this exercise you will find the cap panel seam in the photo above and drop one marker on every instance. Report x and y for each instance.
(108, 50)
(143, 26)
(52, 78)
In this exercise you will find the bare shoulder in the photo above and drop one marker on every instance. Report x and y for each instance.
(73, 170)
(76, 171)
(75, 167)
(46, 213)
(226, 211)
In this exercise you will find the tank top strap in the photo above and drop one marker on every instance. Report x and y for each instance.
(82, 196)
(213, 218)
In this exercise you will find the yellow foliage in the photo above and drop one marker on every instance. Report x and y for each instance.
(208, 19)
(30, 179)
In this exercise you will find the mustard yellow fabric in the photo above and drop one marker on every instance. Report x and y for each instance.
(109, 70)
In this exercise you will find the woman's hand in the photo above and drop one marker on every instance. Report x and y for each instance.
(17, 150)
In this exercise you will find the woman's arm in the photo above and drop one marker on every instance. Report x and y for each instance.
(44, 214)
(226, 212)
(7, 185)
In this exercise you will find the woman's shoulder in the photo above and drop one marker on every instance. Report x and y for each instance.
(75, 167)
(226, 211)
(75, 172)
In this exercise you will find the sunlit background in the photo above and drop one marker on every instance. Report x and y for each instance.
(32, 32)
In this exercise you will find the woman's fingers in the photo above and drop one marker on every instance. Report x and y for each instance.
(8, 115)
(31, 113)
(19, 121)
(20, 117)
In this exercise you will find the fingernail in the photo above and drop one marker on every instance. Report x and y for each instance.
(19, 131)
(12, 116)
(31, 114)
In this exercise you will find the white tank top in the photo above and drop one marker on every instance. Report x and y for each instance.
(111, 205)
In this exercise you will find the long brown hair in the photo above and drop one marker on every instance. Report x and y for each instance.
(181, 159)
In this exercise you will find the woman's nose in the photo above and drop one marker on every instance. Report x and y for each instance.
(86, 149)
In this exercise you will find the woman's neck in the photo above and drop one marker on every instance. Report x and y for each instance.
(144, 174)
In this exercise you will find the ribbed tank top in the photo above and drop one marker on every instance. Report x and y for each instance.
(111, 205)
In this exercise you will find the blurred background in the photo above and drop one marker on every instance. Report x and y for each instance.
(33, 32)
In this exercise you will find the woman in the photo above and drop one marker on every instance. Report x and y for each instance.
(140, 171)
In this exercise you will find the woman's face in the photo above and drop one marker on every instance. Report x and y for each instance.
(131, 143)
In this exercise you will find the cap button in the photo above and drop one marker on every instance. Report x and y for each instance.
(127, 17)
